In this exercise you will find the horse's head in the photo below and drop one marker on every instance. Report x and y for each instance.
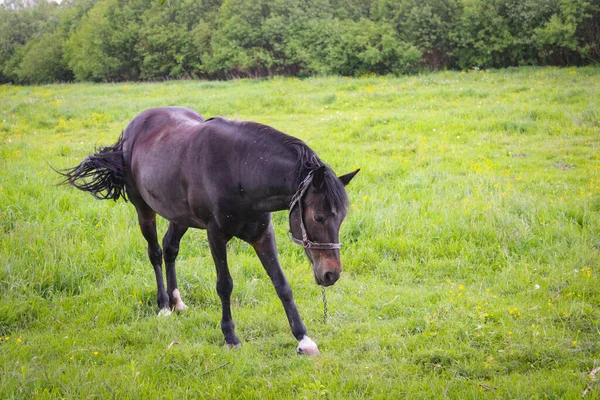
(316, 213)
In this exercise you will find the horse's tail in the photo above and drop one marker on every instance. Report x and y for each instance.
(102, 174)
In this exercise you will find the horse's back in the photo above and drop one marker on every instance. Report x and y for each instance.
(156, 120)
(174, 112)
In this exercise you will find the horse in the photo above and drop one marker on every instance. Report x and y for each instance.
(225, 176)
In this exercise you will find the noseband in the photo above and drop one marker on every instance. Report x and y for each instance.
(297, 200)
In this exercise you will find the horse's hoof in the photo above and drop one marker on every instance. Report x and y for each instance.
(232, 346)
(307, 347)
(165, 312)
(178, 304)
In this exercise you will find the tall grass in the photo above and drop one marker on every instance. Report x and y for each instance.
(470, 254)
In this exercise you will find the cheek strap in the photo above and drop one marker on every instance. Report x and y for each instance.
(305, 241)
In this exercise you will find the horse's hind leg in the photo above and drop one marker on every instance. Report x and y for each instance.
(217, 241)
(147, 221)
(171, 249)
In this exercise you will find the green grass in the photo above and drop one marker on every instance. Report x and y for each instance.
(471, 252)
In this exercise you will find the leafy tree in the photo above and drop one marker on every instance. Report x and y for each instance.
(20, 21)
(483, 38)
(238, 45)
(357, 48)
(103, 46)
(42, 61)
(354, 10)
(428, 25)
(557, 39)
(112, 40)
(588, 33)
(174, 39)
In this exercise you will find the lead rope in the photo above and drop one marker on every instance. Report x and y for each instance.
(324, 305)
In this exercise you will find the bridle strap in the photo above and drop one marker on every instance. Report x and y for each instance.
(297, 200)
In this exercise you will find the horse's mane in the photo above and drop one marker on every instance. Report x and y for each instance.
(306, 161)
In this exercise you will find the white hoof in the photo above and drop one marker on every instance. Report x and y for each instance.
(308, 347)
(165, 312)
(179, 304)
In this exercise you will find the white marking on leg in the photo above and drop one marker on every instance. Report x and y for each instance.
(308, 347)
(179, 304)
(165, 312)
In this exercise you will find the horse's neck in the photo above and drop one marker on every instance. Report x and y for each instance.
(271, 173)
(274, 193)
(273, 203)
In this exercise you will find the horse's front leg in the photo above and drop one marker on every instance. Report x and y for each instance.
(266, 250)
(217, 241)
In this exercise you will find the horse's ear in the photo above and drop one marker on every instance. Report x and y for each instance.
(318, 180)
(348, 177)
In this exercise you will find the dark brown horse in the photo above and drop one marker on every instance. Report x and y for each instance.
(226, 177)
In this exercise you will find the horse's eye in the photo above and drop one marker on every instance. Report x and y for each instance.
(319, 219)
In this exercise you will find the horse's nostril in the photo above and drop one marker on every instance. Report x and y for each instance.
(330, 277)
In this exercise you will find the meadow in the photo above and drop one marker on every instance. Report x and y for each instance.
(471, 251)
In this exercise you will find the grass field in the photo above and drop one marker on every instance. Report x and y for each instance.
(471, 251)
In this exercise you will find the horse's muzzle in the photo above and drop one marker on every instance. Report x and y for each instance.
(331, 277)
(327, 277)
(326, 267)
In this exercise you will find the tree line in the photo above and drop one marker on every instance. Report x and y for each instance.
(128, 40)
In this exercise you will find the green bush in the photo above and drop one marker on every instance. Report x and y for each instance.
(112, 40)
(42, 61)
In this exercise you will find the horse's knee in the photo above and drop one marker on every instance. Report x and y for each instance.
(170, 248)
(170, 253)
(225, 287)
(284, 291)
(155, 255)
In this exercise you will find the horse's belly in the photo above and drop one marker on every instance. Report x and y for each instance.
(192, 222)
(178, 212)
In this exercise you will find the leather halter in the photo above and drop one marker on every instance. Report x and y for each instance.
(297, 200)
